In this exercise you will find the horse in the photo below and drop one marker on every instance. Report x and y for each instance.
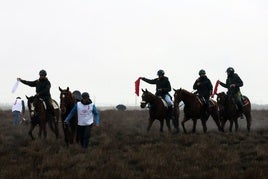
(228, 110)
(39, 116)
(193, 109)
(67, 102)
(158, 110)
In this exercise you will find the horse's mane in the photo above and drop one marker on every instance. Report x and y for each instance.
(187, 92)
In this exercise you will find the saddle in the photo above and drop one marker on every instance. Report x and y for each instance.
(164, 102)
(245, 101)
(202, 101)
(53, 103)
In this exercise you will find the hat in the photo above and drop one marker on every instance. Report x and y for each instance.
(43, 73)
(85, 95)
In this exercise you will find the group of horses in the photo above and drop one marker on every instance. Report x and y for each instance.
(39, 115)
(222, 110)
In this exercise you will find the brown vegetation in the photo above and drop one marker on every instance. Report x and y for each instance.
(121, 148)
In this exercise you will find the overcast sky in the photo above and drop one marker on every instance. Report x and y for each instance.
(103, 46)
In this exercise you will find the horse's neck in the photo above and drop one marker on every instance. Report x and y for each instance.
(155, 100)
(70, 104)
(188, 98)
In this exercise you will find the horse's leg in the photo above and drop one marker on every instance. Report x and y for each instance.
(236, 124)
(216, 118)
(73, 134)
(204, 124)
(53, 126)
(175, 120)
(57, 118)
(161, 124)
(223, 122)
(231, 125)
(40, 129)
(149, 124)
(194, 125)
(64, 128)
(168, 124)
(248, 118)
(182, 124)
(43, 128)
(31, 130)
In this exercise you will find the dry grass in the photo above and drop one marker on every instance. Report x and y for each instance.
(121, 148)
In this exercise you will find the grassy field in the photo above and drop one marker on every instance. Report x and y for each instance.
(121, 148)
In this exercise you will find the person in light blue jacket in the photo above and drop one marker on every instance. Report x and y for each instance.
(87, 115)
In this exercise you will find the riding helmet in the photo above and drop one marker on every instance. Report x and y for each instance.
(85, 95)
(230, 70)
(43, 73)
(160, 73)
(202, 72)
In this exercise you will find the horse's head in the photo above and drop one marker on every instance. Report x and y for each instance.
(66, 100)
(146, 97)
(177, 96)
(30, 104)
(222, 98)
(34, 103)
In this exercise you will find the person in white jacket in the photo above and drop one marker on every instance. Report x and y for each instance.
(18, 108)
(87, 115)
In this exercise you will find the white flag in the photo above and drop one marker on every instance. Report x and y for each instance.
(15, 86)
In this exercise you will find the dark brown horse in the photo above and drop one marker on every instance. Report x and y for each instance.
(38, 115)
(67, 102)
(193, 109)
(228, 110)
(157, 110)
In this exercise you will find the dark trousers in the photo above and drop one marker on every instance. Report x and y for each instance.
(84, 133)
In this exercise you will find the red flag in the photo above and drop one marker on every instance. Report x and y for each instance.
(137, 86)
(215, 88)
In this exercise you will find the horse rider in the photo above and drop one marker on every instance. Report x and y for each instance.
(204, 89)
(233, 84)
(163, 88)
(42, 86)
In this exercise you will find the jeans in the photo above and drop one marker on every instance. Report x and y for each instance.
(168, 100)
(84, 133)
(16, 118)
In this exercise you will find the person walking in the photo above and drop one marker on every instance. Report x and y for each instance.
(18, 108)
(87, 114)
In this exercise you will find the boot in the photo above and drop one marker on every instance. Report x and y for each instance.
(169, 112)
(205, 112)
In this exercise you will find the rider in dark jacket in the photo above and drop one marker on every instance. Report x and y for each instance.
(204, 87)
(163, 86)
(233, 84)
(42, 86)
